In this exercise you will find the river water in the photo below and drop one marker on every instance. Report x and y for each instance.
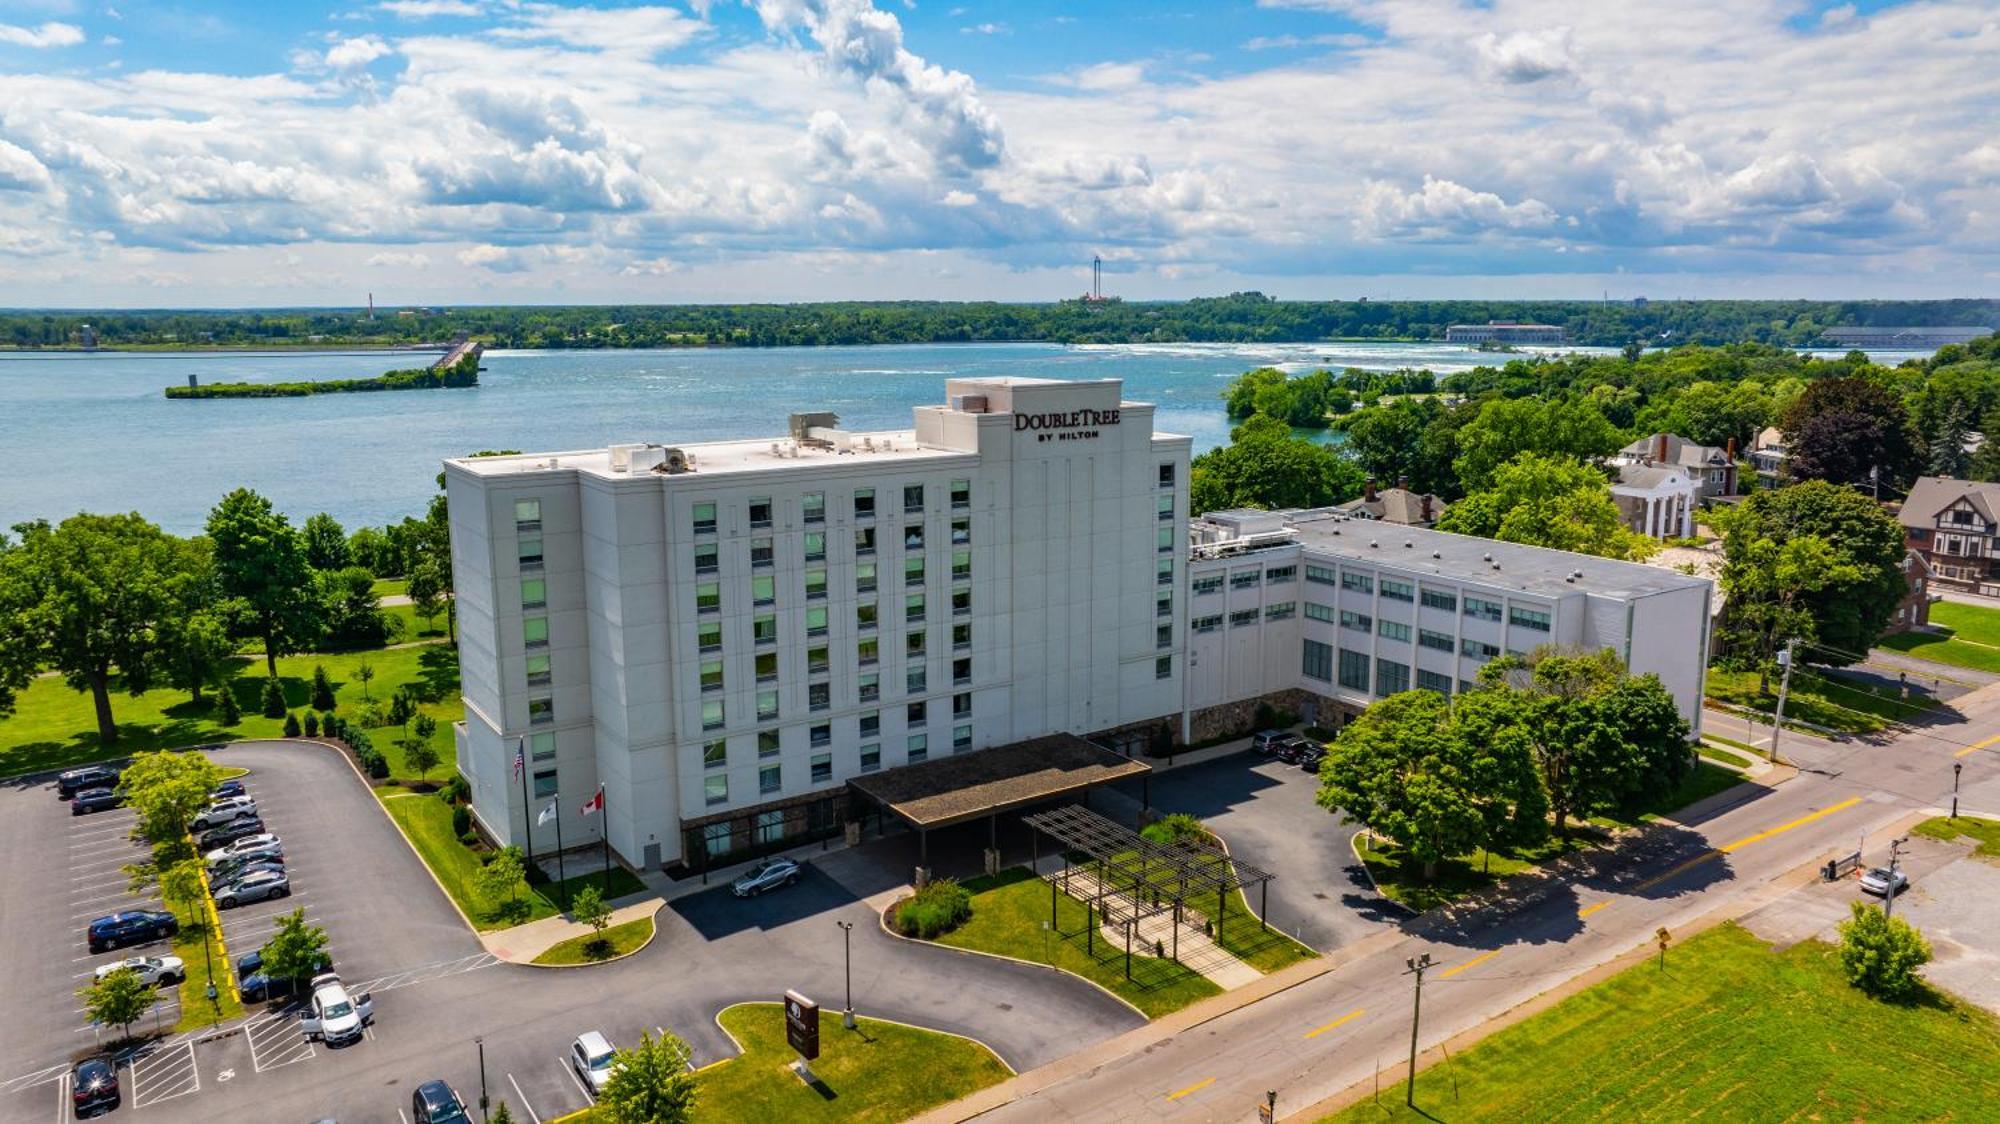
(94, 433)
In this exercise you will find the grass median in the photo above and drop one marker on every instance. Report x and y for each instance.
(1731, 1029)
(618, 940)
(1983, 834)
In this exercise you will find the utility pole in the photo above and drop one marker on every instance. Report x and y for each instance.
(1785, 660)
(1417, 966)
(1889, 896)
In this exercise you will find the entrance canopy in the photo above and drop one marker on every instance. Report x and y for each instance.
(986, 782)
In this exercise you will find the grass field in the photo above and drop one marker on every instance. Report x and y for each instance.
(1984, 833)
(1970, 637)
(1731, 1030)
(1705, 780)
(1814, 699)
(1008, 912)
(619, 941)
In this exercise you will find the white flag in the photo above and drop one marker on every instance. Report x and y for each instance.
(548, 814)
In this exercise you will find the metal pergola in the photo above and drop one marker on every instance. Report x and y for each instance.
(1153, 877)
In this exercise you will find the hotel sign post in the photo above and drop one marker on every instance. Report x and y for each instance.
(802, 1032)
(1065, 425)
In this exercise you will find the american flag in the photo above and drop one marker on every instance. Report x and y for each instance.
(519, 761)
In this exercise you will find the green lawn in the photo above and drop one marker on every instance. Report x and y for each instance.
(1706, 779)
(415, 627)
(1974, 623)
(1008, 912)
(1731, 1030)
(1814, 699)
(54, 727)
(390, 587)
(619, 940)
(1984, 833)
(1402, 880)
(1970, 637)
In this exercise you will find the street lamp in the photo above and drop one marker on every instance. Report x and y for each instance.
(1957, 767)
(479, 1040)
(847, 955)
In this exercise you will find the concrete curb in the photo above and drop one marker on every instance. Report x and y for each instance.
(1354, 845)
(1004, 1063)
(883, 918)
(652, 933)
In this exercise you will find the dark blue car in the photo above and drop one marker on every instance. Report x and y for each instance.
(136, 926)
(93, 800)
(90, 776)
(256, 987)
(227, 790)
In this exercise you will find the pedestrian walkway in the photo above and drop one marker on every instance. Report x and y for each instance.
(1194, 948)
(522, 943)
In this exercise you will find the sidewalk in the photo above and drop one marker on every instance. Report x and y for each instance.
(522, 943)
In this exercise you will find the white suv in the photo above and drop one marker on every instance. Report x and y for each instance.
(335, 1017)
(223, 811)
(590, 1056)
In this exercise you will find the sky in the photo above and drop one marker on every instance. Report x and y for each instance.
(504, 152)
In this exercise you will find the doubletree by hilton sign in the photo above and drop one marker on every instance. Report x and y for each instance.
(1070, 425)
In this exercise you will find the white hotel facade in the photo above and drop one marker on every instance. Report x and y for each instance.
(721, 634)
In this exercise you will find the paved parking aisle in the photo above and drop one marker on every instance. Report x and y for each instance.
(160, 1073)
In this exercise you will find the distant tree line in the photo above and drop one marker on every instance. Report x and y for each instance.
(463, 373)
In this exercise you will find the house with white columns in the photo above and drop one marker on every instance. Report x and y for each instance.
(1656, 500)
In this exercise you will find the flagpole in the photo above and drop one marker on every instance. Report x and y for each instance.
(527, 806)
(604, 831)
(561, 879)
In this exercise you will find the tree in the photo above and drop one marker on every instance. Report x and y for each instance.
(650, 1083)
(1506, 428)
(589, 908)
(420, 753)
(1401, 770)
(274, 697)
(296, 950)
(168, 790)
(1265, 466)
(1881, 953)
(311, 724)
(1948, 455)
(349, 614)
(263, 566)
(292, 727)
(499, 881)
(232, 711)
(1846, 430)
(427, 589)
(501, 1115)
(365, 672)
(322, 688)
(1837, 592)
(120, 999)
(198, 650)
(182, 883)
(97, 597)
(325, 543)
(1548, 501)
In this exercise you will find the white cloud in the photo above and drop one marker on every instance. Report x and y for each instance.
(49, 34)
(1442, 209)
(354, 54)
(400, 260)
(426, 9)
(959, 199)
(1526, 56)
(637, 30)
(986, 29)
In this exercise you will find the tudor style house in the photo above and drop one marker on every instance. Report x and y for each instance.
(1952, 524)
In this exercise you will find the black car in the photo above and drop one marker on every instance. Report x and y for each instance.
(1289, 748)
(1310, 757)
(435, 1102)
(230, 832)
(93, 1087)
(136, 926)
(256, 987)
(90, 776)
(93, 800)
(227, 790)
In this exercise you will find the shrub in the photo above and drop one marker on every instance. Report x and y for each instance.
(455, 790)
(1882, 954)
(461, 820)
(374, 764)
(322, 689)
(370, 715)
(938, 908)
(333, 724)
(274, 698)
(1180, 827)
(311, 724)
(232, 713)
(291, 725)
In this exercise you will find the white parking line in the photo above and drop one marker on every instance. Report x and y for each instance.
(570, 1071)
(532, 1115)
(165, 1075)
(29, 1080)
(275, 1041)
(97, 849)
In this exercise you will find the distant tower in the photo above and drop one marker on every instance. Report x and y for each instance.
(1096, 278)
(371, 306)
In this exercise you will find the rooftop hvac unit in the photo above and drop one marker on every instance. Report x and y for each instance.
(969, 403)
(673, 461)
(621, 456)
(817, 419)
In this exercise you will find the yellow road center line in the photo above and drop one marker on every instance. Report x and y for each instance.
(1784, 827)
(1194, 1088)
(1341, 1021)
(1976, 746)
(1472, 963)
(1586, 911)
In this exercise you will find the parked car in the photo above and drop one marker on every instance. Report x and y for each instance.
(152, 969)
(93, 1087)
(767, 875)
(94, 800)
(254, 887)
(435, 1102)
(90, 776)
(265, 845)
(135, 926)
(1883, 882)
(231, 870)
(590, 1056)
(1267, 741)
(224, 811)
(227, 789)
(230, 832)
(256, 987)
(335, 1017)
(1289, 747)
(1310, 756)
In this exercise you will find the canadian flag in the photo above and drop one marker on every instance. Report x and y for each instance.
(595, 804)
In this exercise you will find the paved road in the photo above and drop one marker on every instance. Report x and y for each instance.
(1332, 1032)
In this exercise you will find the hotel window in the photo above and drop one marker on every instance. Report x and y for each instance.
(871, 757)
(913, 643)
(529, 550)
(1391, 678)
(870, 686)
(761, 554)
(815, 584)
(1359, 622)
(961, 671)
(961, 601)
(913, 499)
(1321, 574)
(913, 608)
(769, 743)
(715, 754)
(815, 546)
(1163, 603)
(864, 542)
(1245, 579)
(1163, 668)
(770, 779)
(545, 784)
(1436, 641)
(1484, 610)
(818, 660)
(961, 532)
(707, 557)
(864, 615)
(1165, 540)
(961, 494)
(1432, 681)
(1165, 506)
(961, 705)
(763, 589)
(915, 715)
(961, 565)
(916, 748)
(1206, 624)
(1318, 612)
(822, 768)
(708, 636)
(769, 827)
(961, 738)
(1163, 636)
(915, 680)
(767, 705)
(961, 635)
(913, 537)
(715, 788)
(535, 632)
(708, 597)
(1206, 584)
(1166, 476)
(764, 628)
(1360, 583)
(816, 621)
(820, 736)
(704, 518)
(541, 747)
(1398, 591)
(1318, 661)
(1282, 611)
(1478, 649)
(1242, 617)
(760, 512)
(864, 577)
(867, 651)
(1163, 572)
(711, 714)
(864, 503)
(1528, 618)
(913, 571)
(541, 710)
(1277, 574)
(813, 507)
(527, 517)
(534, 593)
(1354, 670)
(539, 673)
(767, 667)
(1439, 599)
(871, 724)
(711, 675)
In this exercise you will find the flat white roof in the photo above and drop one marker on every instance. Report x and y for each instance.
(749, 455)
(1537, 570)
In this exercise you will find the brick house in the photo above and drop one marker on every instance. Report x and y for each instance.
(1952, 524)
